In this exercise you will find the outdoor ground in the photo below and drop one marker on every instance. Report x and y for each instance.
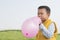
(15, 35)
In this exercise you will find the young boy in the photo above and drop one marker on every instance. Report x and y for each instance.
(47, 29)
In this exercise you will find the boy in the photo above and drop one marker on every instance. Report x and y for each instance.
(47, 29)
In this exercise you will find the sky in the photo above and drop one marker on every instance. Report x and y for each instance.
(14, 12)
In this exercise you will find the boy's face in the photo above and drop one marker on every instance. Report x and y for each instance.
(42, 13)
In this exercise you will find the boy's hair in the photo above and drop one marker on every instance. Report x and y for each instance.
(45, 7)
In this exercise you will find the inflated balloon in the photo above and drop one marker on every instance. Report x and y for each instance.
(30, 27)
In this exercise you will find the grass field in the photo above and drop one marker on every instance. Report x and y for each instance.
(15, 35)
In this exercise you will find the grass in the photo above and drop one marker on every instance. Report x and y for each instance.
(14, 35)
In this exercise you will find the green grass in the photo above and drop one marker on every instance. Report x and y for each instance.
(14, 35)
(58, 37)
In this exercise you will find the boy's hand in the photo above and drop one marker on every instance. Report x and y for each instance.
(40, 23)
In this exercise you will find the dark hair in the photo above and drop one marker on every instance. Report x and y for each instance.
(45, 7)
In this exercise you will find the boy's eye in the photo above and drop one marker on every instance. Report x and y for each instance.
(40, 13)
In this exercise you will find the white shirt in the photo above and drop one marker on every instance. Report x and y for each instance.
(48, 33)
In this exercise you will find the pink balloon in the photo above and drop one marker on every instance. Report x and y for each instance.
(30, 27)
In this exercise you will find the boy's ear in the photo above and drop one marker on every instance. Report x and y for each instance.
(48, 14)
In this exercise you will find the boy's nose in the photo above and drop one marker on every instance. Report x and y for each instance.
(39, 15)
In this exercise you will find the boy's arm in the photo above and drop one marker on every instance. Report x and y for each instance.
(48, 33)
